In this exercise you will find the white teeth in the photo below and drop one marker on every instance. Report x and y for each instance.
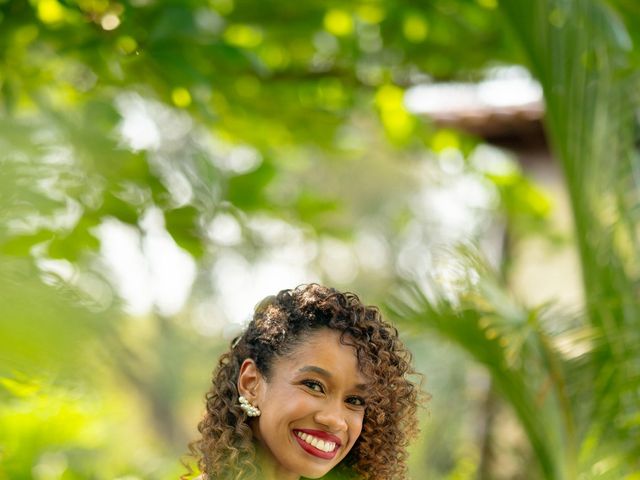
(322, 445)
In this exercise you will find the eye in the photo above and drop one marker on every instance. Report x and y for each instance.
(313, 385)
(356, 401)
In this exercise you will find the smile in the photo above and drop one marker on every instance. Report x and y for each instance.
(320, 447)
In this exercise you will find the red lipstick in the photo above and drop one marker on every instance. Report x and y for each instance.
(327, 437)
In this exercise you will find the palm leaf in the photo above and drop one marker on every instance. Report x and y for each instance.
(514, 345)
(583, 56)
(574, 383)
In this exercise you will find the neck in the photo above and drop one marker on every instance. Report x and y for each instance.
(269, 468)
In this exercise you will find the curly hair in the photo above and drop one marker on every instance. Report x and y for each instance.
(280, 324)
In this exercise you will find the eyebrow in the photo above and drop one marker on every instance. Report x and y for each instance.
(327, 374)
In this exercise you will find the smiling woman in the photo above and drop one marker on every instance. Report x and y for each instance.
(315, 387)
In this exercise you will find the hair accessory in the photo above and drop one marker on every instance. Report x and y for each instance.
(250, 410)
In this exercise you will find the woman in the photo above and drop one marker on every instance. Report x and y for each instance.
(316, 384)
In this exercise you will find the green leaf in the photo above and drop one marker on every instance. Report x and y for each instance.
(183, 225)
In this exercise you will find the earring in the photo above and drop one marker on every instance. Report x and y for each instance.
(250, 410)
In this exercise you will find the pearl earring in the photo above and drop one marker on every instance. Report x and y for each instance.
(250, 410)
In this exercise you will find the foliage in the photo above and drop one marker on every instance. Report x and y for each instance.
(205, 113)
(573, 382)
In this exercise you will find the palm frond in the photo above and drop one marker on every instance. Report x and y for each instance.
(514, 345)
(583, 56)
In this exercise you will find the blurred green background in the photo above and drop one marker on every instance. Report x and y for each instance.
(166, 164)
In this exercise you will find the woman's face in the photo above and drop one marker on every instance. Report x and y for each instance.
(312, 407)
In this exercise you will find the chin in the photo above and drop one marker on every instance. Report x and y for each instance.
(311, 472)
(315, 474)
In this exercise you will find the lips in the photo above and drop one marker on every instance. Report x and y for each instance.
(318, 443)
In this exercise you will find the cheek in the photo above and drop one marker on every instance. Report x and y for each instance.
(355, 424)
(289, 405)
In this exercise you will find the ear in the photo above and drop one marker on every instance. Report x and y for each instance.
(250, 381)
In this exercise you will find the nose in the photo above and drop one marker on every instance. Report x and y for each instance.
(333, 417)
